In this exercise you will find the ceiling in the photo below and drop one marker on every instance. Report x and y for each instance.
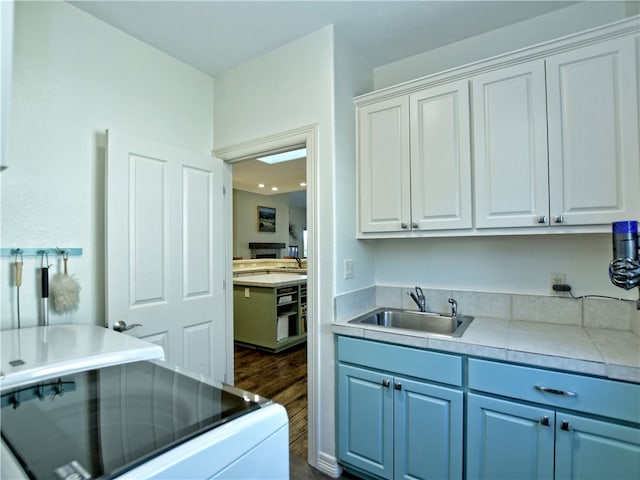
(214, 36)
(286, 176)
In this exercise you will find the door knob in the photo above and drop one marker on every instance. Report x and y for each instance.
(542, 219)
(545, 421)
(121, 326)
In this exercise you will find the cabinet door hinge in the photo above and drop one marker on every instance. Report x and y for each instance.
(224, 190)
(224, 284)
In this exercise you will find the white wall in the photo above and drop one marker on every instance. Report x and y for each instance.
(74, 77)
(245, 221)
(579, 17)
(284, 90)
(509, 264)
(352, 77)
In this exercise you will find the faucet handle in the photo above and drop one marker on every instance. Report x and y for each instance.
(419, 292)
(454, 307)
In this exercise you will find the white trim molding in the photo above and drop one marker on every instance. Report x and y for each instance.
(303, 136)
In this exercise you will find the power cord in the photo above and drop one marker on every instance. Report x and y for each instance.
(563, 287)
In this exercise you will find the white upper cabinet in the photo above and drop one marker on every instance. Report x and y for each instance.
(544, 139)
(440, 158)
(383, 169)
(414, 161)
(594, 167)
(510, 147)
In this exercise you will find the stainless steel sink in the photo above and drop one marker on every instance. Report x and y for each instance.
(421, 321)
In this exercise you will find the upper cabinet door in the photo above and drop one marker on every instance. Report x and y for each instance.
(593, 134)
(510, 147)
(383, 170)
(440, 157)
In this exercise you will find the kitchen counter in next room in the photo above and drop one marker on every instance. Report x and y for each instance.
(273, 280)
(270, 310)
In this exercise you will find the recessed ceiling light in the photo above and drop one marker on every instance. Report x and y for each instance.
(261, 185)
(284, 156)
(275, 189)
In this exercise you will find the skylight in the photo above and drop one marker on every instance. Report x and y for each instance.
(284, 156)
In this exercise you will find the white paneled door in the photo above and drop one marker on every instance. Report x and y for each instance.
(165, 251)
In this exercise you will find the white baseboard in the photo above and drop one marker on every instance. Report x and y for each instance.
(328, 464)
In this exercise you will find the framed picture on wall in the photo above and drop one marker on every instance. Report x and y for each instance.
(266, 219)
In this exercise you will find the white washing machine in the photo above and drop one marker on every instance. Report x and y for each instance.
(84, 402)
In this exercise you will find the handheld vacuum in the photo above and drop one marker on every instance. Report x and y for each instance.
(624, 268)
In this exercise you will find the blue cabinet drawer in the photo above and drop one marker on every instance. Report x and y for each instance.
(432, 366)
(598, 396)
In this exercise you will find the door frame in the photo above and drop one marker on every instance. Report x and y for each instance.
(306, 135)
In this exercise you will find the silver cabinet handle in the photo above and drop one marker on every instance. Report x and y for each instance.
(555, 391)
(414, 225)
(397, 386)
(559, 219)
(542, 219)
(565, 426)
(386, 383)
(404, 226)
(121, 326)
(544, 421)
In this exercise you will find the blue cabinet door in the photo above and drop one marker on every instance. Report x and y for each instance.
(507, 440)
(428, 431)
(365, 420)
(591, 449)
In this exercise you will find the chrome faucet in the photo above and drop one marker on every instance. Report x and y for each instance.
(454, 307)
(299, 262)
(418, 297)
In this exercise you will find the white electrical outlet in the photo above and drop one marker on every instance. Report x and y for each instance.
(558, 279)
(348, 269)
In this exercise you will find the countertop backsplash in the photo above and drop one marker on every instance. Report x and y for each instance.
(587, 312)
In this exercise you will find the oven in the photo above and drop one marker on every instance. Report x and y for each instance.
(116, 412)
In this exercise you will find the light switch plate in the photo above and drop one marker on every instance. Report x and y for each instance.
(348, 269)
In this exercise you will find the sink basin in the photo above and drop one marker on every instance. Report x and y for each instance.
(421, 321)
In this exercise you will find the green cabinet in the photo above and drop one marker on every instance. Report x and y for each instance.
(270, 318)
(513, 437)
(393, 420)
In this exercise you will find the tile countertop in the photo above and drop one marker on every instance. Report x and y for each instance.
(594, 351)
(270, 280)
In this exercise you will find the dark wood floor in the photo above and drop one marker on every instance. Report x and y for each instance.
(282, 377)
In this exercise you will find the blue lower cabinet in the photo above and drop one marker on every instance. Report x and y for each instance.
(427, 431)
(594, 449)
(394, 427)
(365, 420)
(508, 440)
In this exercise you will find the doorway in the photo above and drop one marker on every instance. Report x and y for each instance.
(275, 183)
(302, 137)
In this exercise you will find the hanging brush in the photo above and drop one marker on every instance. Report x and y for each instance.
(19, 264)
(65, 290)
